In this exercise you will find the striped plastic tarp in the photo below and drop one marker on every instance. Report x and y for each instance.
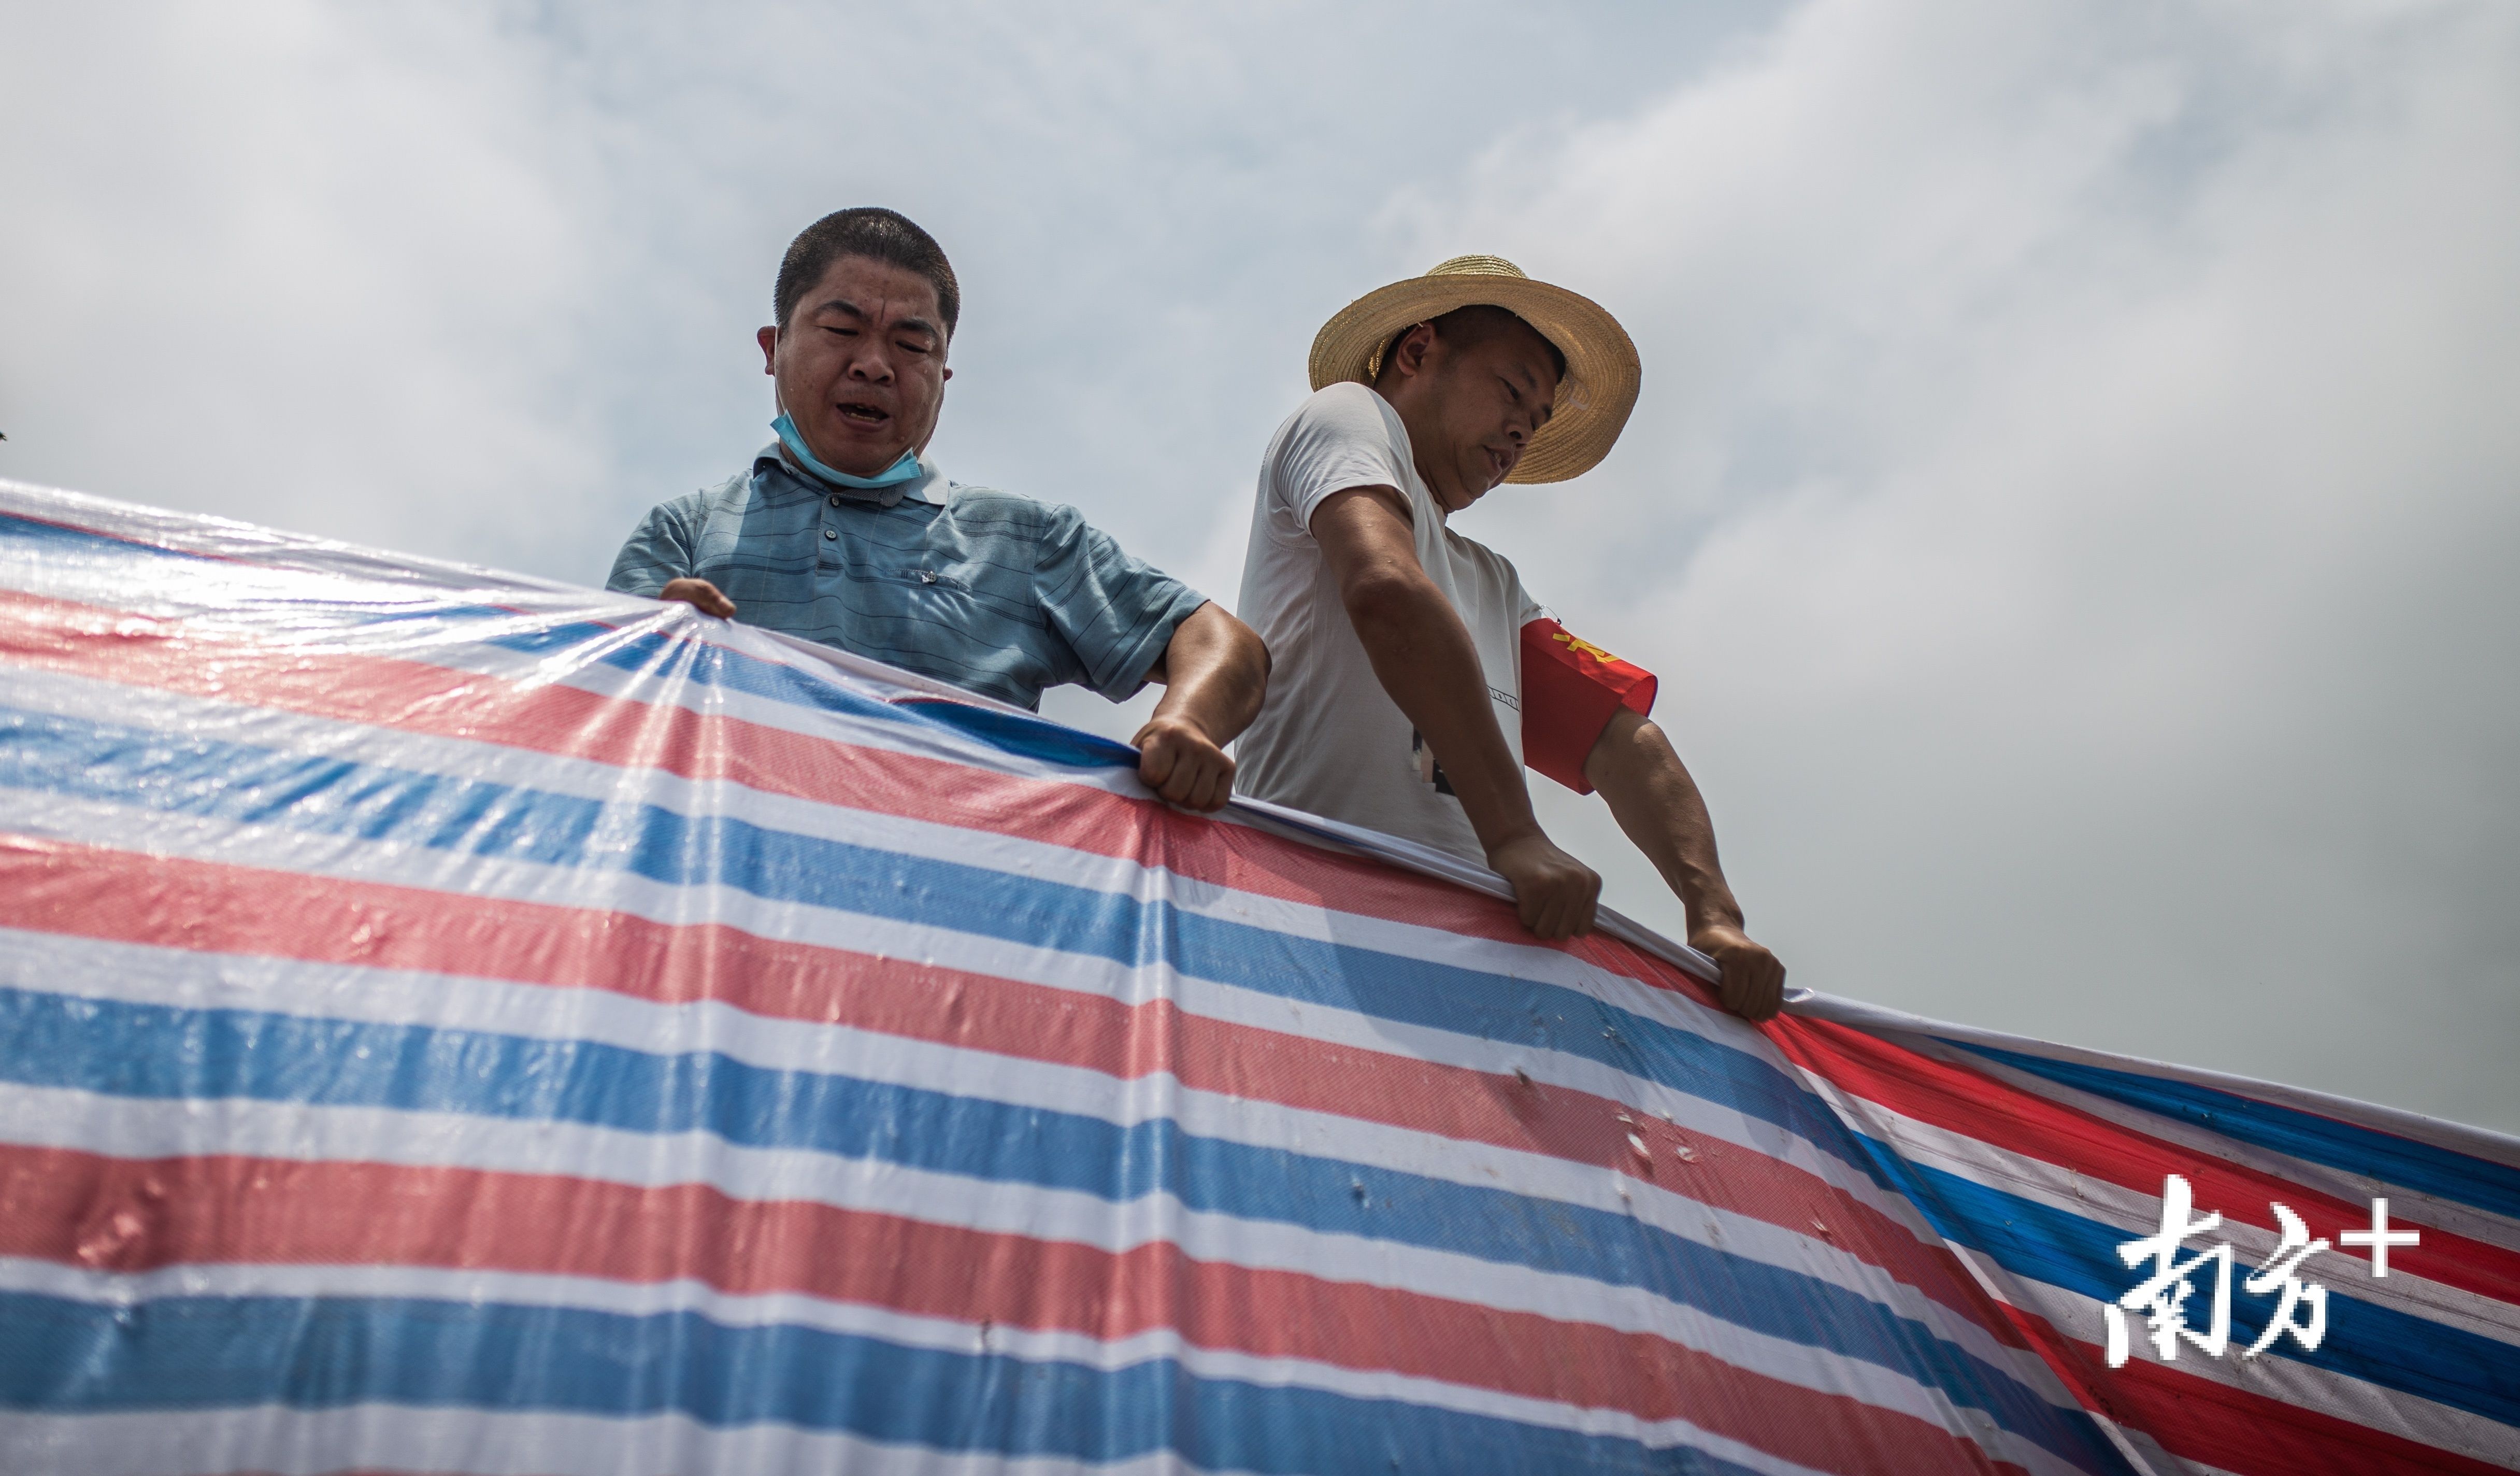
(455, 1023)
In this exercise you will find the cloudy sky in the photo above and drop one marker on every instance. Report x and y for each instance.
(2074, 505)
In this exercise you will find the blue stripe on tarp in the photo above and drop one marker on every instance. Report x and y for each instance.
(150, 1051)
(180, 1354)
(1025, 736)
(2377, 1344)
(2443, 1173)
(46, 534)
(186, 775)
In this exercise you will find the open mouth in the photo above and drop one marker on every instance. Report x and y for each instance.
(863, 414)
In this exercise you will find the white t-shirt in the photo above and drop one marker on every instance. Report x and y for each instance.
(1328, 740)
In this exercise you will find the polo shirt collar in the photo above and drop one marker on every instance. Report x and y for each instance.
(928, 487)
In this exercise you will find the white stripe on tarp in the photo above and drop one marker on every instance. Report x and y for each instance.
(2149, 1454)
(275, 1439)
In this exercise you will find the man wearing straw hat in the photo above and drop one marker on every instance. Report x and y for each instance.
(1412, 678)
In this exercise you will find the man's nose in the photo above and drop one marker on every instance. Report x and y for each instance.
(871, 364)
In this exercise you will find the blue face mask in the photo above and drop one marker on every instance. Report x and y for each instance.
(904, 469)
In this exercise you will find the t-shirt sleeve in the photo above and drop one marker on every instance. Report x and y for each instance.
(1115, 612)
(658, 551)
(1338, 440)
(1571, 690)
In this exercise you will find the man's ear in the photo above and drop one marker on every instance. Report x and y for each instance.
(1409, 352)
(767, 338)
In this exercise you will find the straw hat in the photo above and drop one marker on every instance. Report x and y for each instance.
(1594, 398)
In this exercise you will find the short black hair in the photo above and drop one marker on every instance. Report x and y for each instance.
(865, 231)
(1469, 327)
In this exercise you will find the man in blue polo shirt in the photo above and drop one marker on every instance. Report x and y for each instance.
(841, 533)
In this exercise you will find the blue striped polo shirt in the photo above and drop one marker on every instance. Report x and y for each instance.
(996, 593)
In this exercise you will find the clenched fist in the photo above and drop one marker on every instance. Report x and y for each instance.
(1180, 762)
(1754, 980)
(1555, 893)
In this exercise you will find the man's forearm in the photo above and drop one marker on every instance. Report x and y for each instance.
(1657, 805)
(1422, 655)
(1215, 672)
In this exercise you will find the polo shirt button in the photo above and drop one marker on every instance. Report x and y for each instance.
(835, 499)
(830, 532)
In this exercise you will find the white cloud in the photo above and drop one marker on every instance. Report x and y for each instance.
(2072, 500)
(261, 264)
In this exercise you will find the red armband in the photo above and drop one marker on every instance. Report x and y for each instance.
(1570, 690)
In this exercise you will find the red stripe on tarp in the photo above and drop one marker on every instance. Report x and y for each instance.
(128, 1217)
(210, 907)
(2002, 1116)
(2245, 1433)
